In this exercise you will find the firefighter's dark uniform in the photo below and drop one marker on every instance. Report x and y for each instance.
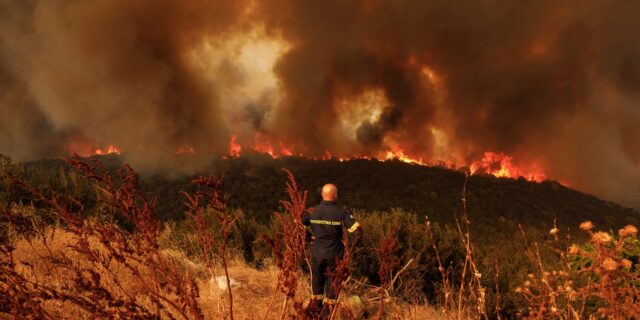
(326, 222)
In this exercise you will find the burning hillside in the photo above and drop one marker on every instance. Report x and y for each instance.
(540, 90)
(496, 164)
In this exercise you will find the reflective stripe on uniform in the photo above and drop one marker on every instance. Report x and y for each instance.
(354, 227)
(317, 296)
(327, 222)
(330, 301)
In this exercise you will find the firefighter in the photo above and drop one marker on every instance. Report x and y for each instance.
(327, 222)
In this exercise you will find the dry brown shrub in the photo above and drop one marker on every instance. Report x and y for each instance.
(103, 270)
(597, 279)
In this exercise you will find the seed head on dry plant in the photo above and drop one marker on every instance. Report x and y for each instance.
(446, 286)
(340, 275)
(471, 290)
(463, 292)
(95, 272)
(598, 279)
(386, 252)
(288, 246)
(209, 195)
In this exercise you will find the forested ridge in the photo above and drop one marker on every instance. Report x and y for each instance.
(254, 183)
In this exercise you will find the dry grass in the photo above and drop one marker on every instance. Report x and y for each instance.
(94, 268)
(251, 298)
(599, 279)
(466, 300)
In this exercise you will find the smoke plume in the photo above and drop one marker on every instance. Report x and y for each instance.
(554, 84)
(111, 72)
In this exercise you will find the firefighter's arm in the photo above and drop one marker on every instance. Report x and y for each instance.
(354, 230)
(305, 220)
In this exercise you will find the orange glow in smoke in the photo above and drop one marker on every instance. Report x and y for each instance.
(187, 149)
(285, 151)
(399, 154)
(111, 149)
(492, 163)
(234, 147)
(502, 165)
(84, 148)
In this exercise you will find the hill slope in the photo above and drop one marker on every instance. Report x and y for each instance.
(255, 183)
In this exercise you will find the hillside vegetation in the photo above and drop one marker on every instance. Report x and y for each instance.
(254, 183)
(506, 255)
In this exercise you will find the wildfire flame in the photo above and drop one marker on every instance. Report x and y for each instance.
(87, 149)
(502, 165)
(493, 163)
(111, 149)
(400, 155)
(234, 147)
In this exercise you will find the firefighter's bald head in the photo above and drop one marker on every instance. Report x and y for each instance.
(329, 192)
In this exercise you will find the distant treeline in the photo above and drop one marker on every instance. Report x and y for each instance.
(254, 183)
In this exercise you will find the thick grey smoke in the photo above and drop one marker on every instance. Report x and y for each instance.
(556, 84)
(553, 83)
(111, 72)
(26, 131)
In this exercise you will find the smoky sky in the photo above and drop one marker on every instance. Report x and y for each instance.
(113, 72)
(555, 84)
